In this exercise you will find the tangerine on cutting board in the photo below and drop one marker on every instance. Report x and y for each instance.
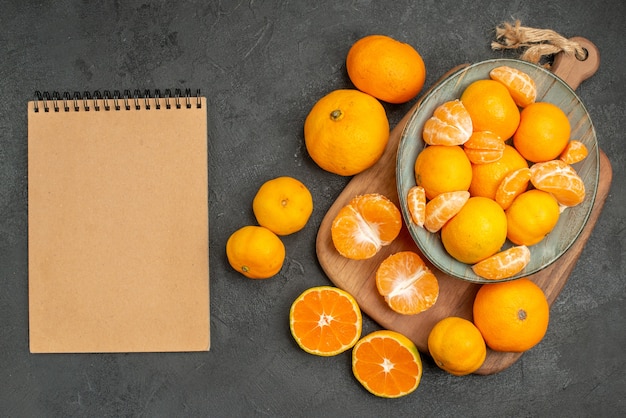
(559, 179)
(457, 346)
(543, 132)
(407, 284)
(283, 205)
(476, 232)
(484, 147)
(450, 124)
(441, 168)
(503, 264)
(574, 152)
(387, 364)
(387, 69)
(531, 216)
(487, 177)
(491, 108)
(521, 86)
(416, 202)
(255, 251)
(346, 132)
(325, 320)
(442, 208)
(512, 316)
(366, 224)
(511, 186)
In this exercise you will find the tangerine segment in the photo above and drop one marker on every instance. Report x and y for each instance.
(520, 85)
(450, 124)
(504, 264)
(560, 179)
(366, 224)
(484, 147)
(511, 186)
(407, 284)
(387, 364)
(325, 321)
(416, 201)
(442, 208)
(575, 151)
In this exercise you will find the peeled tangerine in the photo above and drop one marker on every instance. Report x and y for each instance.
(484, 147)
(450, 124)
(559, 179)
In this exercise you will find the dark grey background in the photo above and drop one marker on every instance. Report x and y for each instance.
(262, 65)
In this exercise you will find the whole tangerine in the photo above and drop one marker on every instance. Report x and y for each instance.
(283, 205)
(255, 251)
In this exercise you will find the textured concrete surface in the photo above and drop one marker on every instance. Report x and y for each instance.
(262, 65)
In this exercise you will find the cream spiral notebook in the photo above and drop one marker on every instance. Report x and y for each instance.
(118, 222)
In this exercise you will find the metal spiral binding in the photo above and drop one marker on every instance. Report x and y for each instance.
(106, 101)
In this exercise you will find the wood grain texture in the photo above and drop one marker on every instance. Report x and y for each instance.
(456, 296)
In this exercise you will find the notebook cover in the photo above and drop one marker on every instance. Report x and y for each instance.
(118, 229)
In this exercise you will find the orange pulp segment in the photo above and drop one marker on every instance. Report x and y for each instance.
(416, 202)
(575, 151)
(520, 85)
(366, 224)
(504, 264)
(325, 321)
(450, 124)
(387, 364)
(442, 208)
(511, 186)
(484, 147)
(407, 284)
(559, 179)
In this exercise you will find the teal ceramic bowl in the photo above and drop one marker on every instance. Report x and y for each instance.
(551, 89)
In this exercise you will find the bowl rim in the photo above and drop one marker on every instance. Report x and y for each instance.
(408, 134)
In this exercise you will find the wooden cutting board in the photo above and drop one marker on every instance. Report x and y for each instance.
(455, 296)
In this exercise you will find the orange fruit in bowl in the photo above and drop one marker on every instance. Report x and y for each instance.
(512, 316)
(559, 179)
(484, 147)
(491, 108)
(487, 177)
(543, 132)
(387, 364)
(442, 208)
(346, 132)
(531, 216)
(476, 232)
(520, 85)
(450, 124)
(407, 284)
(441, 168)
(283, 205)
(457, 346)
(511, 186)
(325, 321)
(574, 152)
(504, 264)
(255, 251)
(366, 224)
(416, 202)
(387, 69)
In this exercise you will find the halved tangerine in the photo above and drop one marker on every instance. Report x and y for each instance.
(387, 364)
(484, 147)
(366, 224)
(450, 124)
(559, 179)
(575, 151)
(442, 208)
(407, 284)
(416, 201)
(325, 320)
(504, 264)
(511, 186)
(520, 85)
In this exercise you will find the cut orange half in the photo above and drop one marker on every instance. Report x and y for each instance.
(325, 321)
(407, 284)
(387, 364)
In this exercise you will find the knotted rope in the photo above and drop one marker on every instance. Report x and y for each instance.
(539, 43)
